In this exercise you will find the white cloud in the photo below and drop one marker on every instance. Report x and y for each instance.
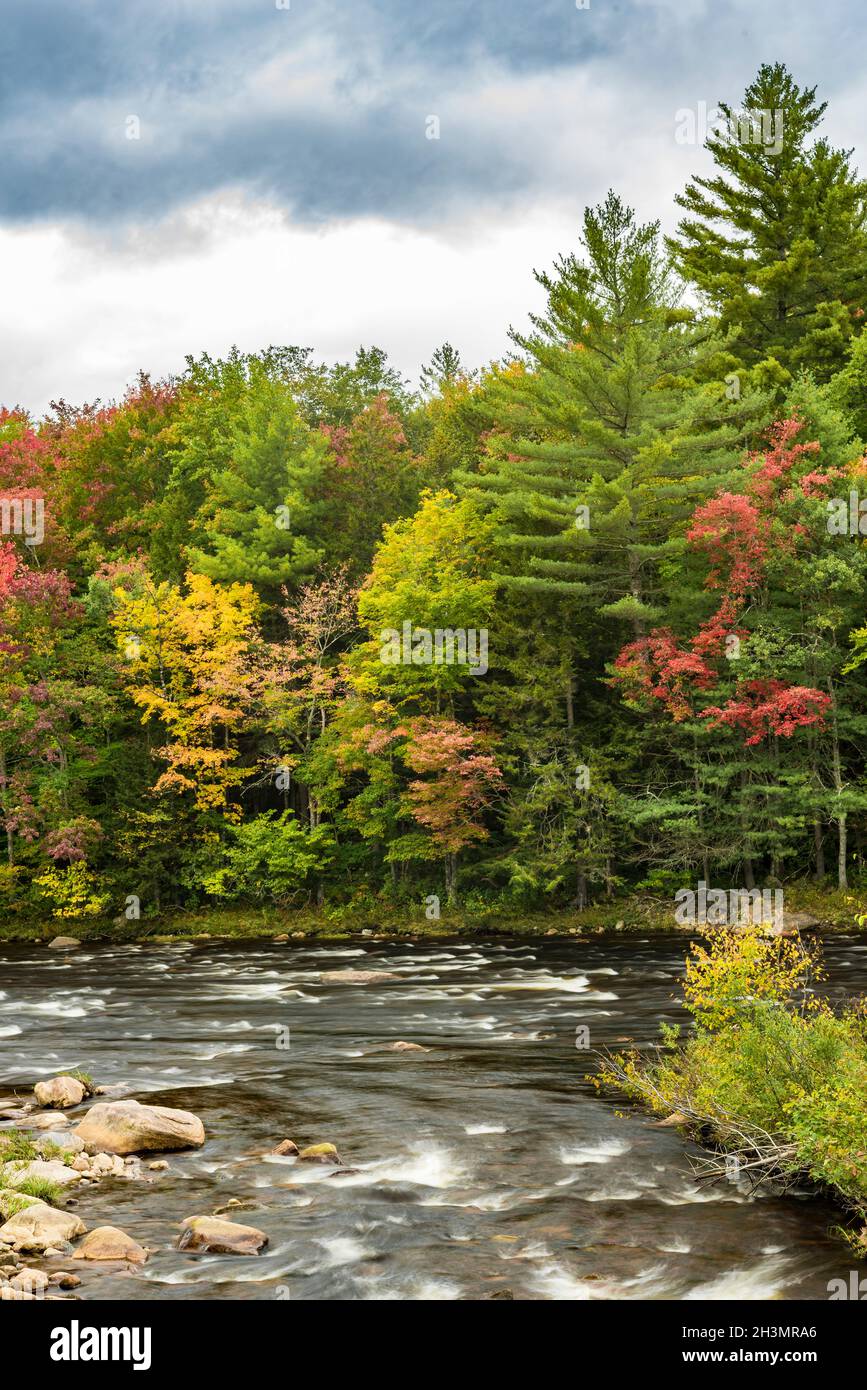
(86, 313)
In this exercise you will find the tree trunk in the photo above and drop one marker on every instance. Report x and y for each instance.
(837, 768)
(451, 868)
(842, 881)
(749, 876)
(699, 812)
(580, 890)
(820, 850)
(4, 790)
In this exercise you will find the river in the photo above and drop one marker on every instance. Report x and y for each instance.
(485, 1166)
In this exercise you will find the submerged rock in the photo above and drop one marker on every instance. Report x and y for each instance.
(405, 1047)
(218, 1237)
(356, 977)
(126, 1127)
(60, 1092)
(236, 1204)
(110, 1243)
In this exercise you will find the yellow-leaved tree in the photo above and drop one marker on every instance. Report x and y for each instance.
(186, 654)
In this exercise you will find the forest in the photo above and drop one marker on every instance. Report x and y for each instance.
(583, 623)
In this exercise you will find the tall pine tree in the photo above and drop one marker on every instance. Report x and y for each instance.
(776, 239)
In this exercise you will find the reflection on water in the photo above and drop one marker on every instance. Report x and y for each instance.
(486, 1164)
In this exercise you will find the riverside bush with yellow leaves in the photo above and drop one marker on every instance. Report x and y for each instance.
(771, 1072)
(73, 891)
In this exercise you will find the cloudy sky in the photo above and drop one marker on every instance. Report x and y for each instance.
(179, 175)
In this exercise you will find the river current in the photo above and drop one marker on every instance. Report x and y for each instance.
(485, 1166)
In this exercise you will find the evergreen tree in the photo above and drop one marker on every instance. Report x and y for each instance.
(604, 435)
(776, 239)
(444, 369)
(262, 513)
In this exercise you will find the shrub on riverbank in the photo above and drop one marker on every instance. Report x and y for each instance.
(773, 1075)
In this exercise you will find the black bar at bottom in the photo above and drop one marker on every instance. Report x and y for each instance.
(149, 1337)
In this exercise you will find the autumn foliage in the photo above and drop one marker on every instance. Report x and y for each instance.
(735, 534)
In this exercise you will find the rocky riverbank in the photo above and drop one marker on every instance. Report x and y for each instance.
(48, 1164)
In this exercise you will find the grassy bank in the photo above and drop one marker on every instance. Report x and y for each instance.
(771, 1077)
(629, 915)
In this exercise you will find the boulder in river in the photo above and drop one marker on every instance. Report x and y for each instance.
(286, 1146)
(47, 1119)
(792, 924)
(110, 1243)
(356, 977)
(64, 943)
(215, 1236)
(127, 1127)
(320, 1153)
(39, 1226)
(59, 1093)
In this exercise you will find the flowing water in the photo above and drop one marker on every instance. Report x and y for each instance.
(486, 1165)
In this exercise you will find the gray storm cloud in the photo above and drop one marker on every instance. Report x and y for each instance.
(321, 107)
